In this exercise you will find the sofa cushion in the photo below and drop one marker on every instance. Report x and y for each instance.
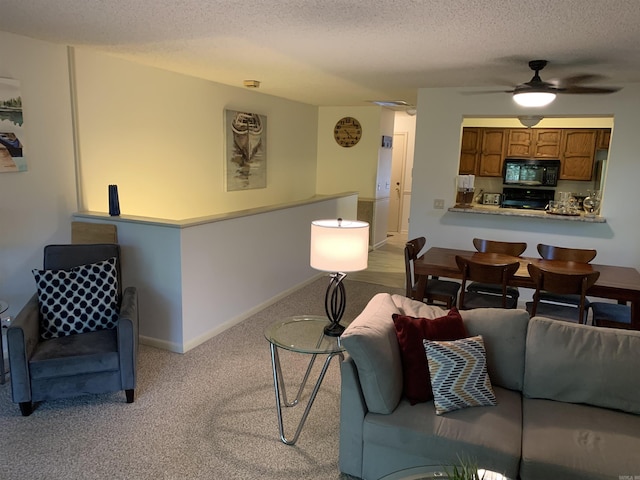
(72, 355)
(371, 341)
(578, 442)
(415, 308)
(459, 374)
(583, 364)
(410, 332)
(504, 333)
(82, 299)
(415, 435)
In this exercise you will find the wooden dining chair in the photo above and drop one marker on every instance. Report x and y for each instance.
(579, 255)
(515, 249)
(612, 315)
(441, 291)
(498, 273)
(562, 284)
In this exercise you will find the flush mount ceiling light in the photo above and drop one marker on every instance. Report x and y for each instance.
(530, 120)
(391, 103)
(251, 83)
(398, 105)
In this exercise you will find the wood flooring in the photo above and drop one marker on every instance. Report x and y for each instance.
(386, 264)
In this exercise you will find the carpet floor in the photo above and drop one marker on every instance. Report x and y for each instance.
(206, 414)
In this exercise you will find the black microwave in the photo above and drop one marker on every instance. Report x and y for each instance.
(529, 172)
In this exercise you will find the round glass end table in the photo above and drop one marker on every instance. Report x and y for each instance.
(302, 334)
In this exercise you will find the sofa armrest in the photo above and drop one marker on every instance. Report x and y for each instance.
(22, 337)
(128, 337)
(352, 412)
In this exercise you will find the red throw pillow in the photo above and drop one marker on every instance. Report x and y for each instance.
(410, 332)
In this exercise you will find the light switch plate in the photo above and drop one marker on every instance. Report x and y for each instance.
(438, 203)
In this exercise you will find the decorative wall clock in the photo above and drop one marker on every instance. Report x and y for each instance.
(347, 132)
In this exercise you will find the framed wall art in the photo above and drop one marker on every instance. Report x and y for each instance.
(246, 150)
(11, 133)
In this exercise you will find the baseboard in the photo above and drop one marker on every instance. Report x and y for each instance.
(162, 344)
(234, 321)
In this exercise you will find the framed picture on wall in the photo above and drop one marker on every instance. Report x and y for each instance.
(11, 132)
(246, 150)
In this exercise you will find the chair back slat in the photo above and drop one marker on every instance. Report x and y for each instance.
(515, 249)
(581, 255)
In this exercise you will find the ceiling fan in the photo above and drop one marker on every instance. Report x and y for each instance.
(537, 93)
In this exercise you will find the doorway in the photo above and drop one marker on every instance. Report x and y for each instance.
(396, 194)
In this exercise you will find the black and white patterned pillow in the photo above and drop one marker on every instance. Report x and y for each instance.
(83, 299)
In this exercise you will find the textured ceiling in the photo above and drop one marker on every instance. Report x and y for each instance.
(346, 52)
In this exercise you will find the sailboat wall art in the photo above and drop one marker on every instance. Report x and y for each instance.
(246, 150)
(11, 127)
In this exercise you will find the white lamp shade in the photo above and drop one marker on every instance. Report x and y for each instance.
(339, 245)
(534, 99)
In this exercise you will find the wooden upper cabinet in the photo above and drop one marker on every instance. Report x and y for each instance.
(604, 138)
(469, 150)
(520, 142)
(483, 150)
(534, 143)
(578, 151)
(547, 143)
(494, 143)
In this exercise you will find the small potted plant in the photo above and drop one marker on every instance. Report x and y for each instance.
(466, 469)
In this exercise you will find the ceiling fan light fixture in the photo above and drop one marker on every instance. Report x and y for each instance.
(530, 120)
(534, 99)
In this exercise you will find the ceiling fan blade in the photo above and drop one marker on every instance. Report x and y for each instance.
(579, 90)
(576, 79)
(484, 92)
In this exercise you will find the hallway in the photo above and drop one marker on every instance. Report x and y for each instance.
(386, 264)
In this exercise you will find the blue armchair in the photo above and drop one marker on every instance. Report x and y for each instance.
(82, 363)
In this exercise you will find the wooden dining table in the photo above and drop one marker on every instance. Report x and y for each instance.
(618, 283)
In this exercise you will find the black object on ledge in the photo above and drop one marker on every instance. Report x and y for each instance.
(114, 202)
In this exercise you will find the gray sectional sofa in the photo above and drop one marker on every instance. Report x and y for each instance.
(568, 399)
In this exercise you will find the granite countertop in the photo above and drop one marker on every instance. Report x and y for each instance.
(516, 212)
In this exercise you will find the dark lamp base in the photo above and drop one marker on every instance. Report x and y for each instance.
(333, 330)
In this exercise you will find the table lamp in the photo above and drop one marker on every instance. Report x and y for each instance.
(338, 246)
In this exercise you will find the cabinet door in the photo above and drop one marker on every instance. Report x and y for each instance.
(492, 153)
(469, 150)
(547, 143)
(604, 138)
(520, 142)
(579, 148)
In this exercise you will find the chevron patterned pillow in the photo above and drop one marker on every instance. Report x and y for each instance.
(459, 377)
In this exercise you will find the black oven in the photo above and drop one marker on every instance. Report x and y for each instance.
(529, 172)
(526, 198)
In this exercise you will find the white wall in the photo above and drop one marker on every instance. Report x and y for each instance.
(196, 280)
(436, 161)
(159, 136)
(156, 134)
(35, 206)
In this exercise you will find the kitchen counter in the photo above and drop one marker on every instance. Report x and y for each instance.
(516, 212)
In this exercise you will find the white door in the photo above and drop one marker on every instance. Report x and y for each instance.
(399, 155)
